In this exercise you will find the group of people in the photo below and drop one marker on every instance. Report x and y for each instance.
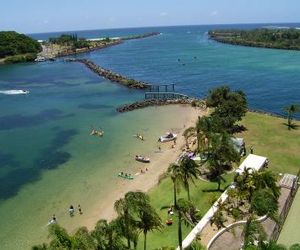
(71, 213)
(72, 210)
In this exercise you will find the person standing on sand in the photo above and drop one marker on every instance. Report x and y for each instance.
(79, 209)
(71, 211)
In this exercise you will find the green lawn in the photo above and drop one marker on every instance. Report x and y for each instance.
(290, 233)
(268, 136)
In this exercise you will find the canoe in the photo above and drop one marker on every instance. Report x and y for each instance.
(142, 158)
(128, 177)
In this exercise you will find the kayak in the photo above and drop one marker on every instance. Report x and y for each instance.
(142, 158)
(129, 177)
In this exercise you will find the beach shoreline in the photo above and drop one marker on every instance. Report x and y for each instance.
(104, 208)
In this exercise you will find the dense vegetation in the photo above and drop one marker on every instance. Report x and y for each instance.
(266, 38)
(15, 44)
(70, 40)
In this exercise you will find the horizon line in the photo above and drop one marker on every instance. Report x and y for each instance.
(158, 26)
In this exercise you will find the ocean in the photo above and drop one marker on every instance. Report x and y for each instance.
(47, 158)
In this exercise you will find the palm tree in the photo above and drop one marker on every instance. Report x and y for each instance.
(221, 154)
(126, 207)
(174, 172)
(189, 132)
(183, 209)
(148, 220)
(291, 110)
(189, 171)
(83, 240)
(107, 236)
(59, 237)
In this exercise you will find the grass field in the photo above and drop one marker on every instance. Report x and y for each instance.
(290, 233)
(268, 136)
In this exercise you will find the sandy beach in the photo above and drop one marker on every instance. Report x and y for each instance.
(160, 161)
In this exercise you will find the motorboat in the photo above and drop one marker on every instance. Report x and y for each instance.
(142, 158)
(14, 92)
(168, 137)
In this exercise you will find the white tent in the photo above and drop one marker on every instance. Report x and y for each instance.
(252, 161)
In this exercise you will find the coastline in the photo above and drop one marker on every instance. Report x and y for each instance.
(103, 209)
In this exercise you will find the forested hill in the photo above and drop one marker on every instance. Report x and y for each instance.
(15, 44)
(266, 38)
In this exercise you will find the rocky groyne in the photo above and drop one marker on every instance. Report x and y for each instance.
(147, 103)
(141, 36)
(110, 75)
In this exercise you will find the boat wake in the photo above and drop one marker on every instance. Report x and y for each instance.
(14, 92)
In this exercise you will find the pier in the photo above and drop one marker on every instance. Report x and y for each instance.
(164, 96)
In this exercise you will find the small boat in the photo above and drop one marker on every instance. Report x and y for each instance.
(142, 158)
(14, 92)
(125, 176)
(167, 137)
(97, 132)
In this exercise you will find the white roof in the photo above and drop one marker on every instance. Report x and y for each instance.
(252, 161)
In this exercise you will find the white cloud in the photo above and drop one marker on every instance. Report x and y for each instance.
(214, 13)
(163, 14)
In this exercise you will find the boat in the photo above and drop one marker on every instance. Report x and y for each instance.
(125, 176)
(14, 92)
(97, 132)
(142, 158)
(168, 137)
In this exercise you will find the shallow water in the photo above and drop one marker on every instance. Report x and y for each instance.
(47, 159)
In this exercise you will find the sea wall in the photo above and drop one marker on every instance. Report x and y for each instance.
(110, 75)
(152, 102)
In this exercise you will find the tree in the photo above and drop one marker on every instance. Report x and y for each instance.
(183, 210)
(189, 132)
(229, 106)
(291, 110)
(220, 156)
(174, 172)
(189, 171)
(59, 237)
(147, 220)
(83, 240)
(107, 236)
(126, 208)
(255, 194)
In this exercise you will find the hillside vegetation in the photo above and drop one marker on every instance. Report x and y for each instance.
(266, 38)
(16, 47)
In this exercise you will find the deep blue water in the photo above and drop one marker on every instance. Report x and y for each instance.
(270, 77)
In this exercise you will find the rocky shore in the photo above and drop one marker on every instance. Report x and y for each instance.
(110, 75)
(152, 102)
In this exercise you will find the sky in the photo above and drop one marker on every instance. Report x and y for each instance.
(33, 16)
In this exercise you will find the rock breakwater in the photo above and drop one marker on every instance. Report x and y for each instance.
(110, 75)
(152, 102)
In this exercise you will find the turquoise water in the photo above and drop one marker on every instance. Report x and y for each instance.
(47, 159)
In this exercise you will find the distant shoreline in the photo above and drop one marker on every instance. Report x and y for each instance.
(270, 38)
